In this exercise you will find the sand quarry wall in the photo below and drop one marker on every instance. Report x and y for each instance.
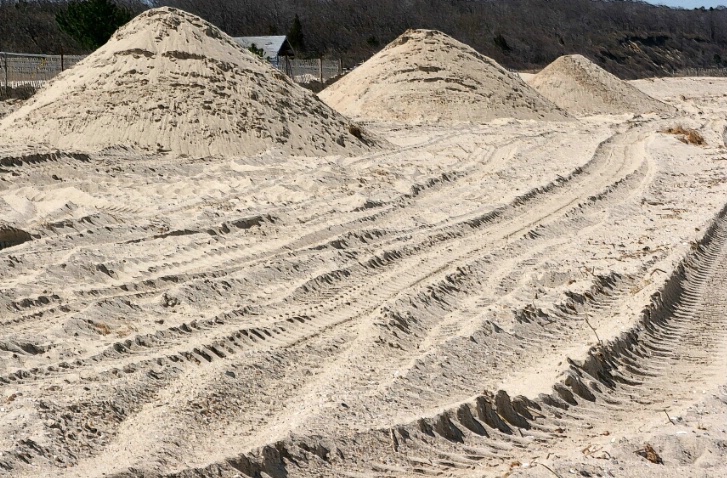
(170, 82)
(581, 87)
(427, 76)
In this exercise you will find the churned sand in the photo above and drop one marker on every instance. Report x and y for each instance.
(170, 82)
(581, 87)
(507, 298)
(427, 76)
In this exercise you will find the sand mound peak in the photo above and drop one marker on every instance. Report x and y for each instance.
(169, 81)
(425, 75)
(581, 87)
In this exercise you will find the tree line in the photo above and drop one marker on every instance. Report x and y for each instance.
(629, 38)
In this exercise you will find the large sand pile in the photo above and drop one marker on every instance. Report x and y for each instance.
(583, 88)
(425, 75)
(169, 81)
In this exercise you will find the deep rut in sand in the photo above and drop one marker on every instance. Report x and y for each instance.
(677, 350)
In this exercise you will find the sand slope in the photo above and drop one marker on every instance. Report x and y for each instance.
(581, 87)
(425, 75)
(169, 81)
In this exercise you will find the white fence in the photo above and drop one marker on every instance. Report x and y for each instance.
(21, 70)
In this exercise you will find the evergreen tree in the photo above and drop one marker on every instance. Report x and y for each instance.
(295, 35)
(92, 22)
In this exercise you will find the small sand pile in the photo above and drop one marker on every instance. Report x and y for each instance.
(425, 75)
(169, 81)
(583, 88)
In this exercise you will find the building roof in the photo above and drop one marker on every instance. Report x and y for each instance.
(273, 46)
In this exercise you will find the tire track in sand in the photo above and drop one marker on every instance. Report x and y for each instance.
(678, 345)
(610, 164)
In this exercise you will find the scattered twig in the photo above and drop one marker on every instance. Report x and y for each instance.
(394, 441)
(594, 330)
(699, 425)
(657, 269)
(550, 470)
(667, 416)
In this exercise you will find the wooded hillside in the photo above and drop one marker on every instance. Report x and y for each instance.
(631, 39)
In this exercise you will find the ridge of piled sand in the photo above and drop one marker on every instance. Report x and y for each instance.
(169, 81)
(581, 87)
(425, 75)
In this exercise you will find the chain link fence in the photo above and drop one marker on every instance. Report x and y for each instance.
(701, 72)
(21, 74)
(308, 71)
(24, 71)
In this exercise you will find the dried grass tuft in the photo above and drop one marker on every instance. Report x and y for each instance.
(686, 135)
(650, 454)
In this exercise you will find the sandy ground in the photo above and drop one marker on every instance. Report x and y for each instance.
(479, 300)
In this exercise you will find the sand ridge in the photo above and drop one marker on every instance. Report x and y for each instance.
(427, 76)
(581, 87)
(170, 82)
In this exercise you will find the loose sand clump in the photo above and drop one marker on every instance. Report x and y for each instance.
(581, 87)
(169, 81)
(427, 76)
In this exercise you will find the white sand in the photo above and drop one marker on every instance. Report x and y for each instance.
(581, 87)
(427, 76)
(170, 82)
(353, 315)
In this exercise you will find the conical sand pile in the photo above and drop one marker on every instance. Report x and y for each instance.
(583, 88)
(169, 81)
(425, 75)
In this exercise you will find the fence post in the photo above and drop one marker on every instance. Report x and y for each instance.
(340, 67)
(320, 69)
(5, 62)
(62, 66)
